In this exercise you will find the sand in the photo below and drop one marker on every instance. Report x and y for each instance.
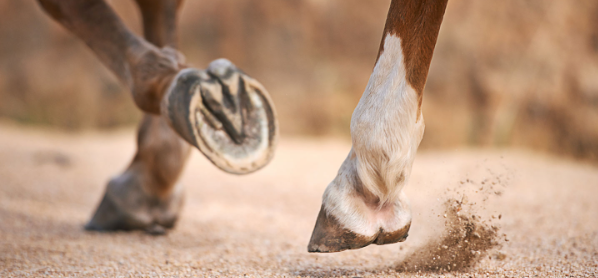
(532, 215)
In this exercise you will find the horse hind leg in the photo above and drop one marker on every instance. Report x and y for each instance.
(147, 196)
(221, 111)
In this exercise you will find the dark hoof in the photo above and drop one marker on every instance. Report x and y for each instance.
(125, 206)
(109, 217)
(330, 236)
(156, 230)
(226, 114)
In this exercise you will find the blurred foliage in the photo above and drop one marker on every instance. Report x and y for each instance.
(505, 73)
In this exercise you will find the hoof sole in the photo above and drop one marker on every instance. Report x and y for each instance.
(226, 114)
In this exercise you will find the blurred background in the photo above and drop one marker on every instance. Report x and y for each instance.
(504, 73)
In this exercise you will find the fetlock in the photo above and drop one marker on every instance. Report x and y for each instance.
(152, 73)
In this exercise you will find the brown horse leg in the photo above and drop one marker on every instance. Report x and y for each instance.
(159, 21)
(144, 68)
(147, 195)
(151, 179)
(223, 112)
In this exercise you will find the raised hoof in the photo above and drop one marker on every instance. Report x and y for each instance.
(125, 206)
(330, 236)
(226, 114)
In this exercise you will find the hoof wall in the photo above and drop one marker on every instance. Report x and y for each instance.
(126, 207)
(330, 236)
(156, 230)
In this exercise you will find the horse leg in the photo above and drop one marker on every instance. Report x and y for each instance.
(146, 196)
(151, 179)
(365, 203)
(223, 112)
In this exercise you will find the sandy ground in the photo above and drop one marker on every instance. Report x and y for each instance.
(259, 225)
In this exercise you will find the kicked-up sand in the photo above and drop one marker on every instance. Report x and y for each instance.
(476, 213)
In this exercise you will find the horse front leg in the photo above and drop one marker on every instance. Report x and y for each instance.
(365, 203)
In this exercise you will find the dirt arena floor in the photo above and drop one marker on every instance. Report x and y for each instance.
(544, 211)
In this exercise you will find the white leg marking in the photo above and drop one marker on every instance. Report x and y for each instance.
(385, 137)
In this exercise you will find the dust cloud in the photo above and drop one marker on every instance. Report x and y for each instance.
(467, 237)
